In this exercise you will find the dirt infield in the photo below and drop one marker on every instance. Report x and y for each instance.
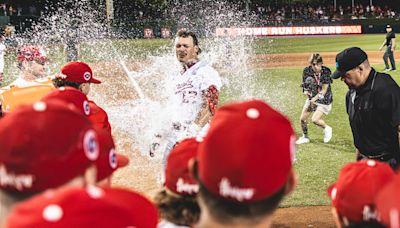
(266, 61)
(142, 172)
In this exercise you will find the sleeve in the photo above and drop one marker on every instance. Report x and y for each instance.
(209, 77)
(211, 96)
(326, 76)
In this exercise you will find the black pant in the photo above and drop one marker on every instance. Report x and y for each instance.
(389, 54)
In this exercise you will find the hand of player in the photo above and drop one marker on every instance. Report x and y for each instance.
(314, 99)
(155, 145)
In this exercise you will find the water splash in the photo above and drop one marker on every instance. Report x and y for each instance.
(136, 82)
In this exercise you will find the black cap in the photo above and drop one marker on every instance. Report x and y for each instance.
(388, 26)
(348, 59)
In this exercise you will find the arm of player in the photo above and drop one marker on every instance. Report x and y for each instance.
(383, 45)
(210, 97)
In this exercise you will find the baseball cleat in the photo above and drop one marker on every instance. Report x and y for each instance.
(327, 134)
(302, 140)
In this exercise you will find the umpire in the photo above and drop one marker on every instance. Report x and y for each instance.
(373, 106)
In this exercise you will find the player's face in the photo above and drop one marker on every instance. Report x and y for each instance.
(316, 67)
(37, 68)
(185, 49)
(353, 78)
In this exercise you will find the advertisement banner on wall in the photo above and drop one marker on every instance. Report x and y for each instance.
(148, 33)
(290, 31)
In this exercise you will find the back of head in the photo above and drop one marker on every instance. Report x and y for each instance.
(85, 207)
(354, 192)
(315, 58)
(39, 145)
(177, 202)
(245, 162)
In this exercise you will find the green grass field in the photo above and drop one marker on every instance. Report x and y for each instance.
(317, 163)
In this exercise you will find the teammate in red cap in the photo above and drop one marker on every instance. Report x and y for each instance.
(244, 165)
(83, 208)
(177, 201)
(80, 76)
(44, 145)
(354, 192)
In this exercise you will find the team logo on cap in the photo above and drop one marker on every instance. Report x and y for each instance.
(87, 76)
(112, 158)
(86, 108)
(227, 190)
(90, 145)
(183, 187)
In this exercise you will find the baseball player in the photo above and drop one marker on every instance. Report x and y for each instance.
(177, 201)
(244, 166)
(39, 144)
(79, 75)
(196, 93)
(32, 62)
(390, 43)
(317, 87)
(354, 192)
(31, 84)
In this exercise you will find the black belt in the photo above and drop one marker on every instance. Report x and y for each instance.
(382, 157)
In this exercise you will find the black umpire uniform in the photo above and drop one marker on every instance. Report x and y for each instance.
(374, 112)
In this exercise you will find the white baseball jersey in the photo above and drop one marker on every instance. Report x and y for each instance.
(189, 87)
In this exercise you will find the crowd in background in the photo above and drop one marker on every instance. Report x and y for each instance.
(11, 9)
(322, 13)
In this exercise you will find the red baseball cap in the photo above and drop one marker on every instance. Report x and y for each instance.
(44, 145)
(248, 152)
(72, 96)
(178, 178)
(108, 160)
(78, 72)
(85, 207)
(388, 203)
(31, 53)
(356, 187)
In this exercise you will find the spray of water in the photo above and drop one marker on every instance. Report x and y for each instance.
(136, 83)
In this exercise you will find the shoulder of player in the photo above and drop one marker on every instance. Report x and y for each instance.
(95, 109)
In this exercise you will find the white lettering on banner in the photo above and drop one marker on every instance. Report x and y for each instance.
(19, 181)
(264, 31)
(257, 31)
(181, 186)
(226, 189)
(288, 30)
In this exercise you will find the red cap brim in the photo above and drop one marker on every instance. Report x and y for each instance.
(95, 81)
(122, 160)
